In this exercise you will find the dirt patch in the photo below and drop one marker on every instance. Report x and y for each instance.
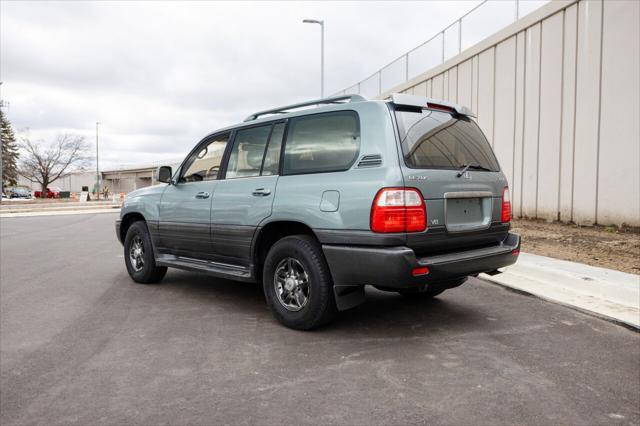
(607, 247)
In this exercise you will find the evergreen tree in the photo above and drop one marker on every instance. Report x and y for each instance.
(9, 153)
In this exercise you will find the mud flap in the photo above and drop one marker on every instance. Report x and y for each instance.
(348, 296)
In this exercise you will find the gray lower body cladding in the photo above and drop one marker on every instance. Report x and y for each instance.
(391, 267)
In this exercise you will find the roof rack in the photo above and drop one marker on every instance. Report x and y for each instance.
(330, 100)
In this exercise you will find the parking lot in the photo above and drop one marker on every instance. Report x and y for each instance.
(82, 344)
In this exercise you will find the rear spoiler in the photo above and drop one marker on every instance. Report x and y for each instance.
(424, 102)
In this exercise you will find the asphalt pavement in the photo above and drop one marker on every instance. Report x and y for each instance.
(80, 343)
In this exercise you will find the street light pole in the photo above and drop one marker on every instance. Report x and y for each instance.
(321, 23)
(97, 165)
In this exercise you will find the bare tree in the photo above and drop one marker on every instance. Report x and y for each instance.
(45, 163)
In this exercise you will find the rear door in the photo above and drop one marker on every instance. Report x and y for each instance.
(446, 156)
(245, 196)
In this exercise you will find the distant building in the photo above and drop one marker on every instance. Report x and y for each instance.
(72, 182)
(125, 179)
(128, 179)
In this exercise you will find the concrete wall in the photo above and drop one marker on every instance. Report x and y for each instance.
(557, 94)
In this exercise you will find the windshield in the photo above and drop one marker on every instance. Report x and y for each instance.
(437, 140)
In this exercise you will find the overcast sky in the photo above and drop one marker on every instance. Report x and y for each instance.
(161, 75)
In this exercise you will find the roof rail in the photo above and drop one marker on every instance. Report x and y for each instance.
(285, 109)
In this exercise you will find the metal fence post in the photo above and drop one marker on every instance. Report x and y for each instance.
(379, 83)
(517, 9)
(460, 35)
(406, 65)
(442, 47)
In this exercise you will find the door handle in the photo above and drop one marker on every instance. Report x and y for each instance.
(261, 192)
(202, 195)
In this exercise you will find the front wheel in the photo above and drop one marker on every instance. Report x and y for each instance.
(139, 257)
(297, 283)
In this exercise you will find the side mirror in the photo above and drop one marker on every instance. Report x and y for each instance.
(164, 174)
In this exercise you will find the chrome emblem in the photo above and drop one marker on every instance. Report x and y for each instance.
(466, 175)
(418, 177)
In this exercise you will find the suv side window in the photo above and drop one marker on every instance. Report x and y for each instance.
(317, 143)
(248, 151)
(272, 156)
(205, 163)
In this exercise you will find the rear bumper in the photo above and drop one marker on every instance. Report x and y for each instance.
(391, 267)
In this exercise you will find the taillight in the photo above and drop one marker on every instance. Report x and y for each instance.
(441, 108)
(506, 205)
(416, 272)
(398, 210)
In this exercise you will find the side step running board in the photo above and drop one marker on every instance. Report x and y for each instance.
(222, 270)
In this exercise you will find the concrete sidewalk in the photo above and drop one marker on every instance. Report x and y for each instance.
(610, 294)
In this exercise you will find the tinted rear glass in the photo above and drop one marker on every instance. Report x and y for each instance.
(438, 140)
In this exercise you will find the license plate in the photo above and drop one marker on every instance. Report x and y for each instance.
(465, 213)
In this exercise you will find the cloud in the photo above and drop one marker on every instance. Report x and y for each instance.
(161, 75)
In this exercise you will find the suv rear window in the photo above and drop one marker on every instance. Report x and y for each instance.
(318, 143)
(438, 140)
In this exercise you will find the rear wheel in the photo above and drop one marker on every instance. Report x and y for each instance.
(139, 257)
(297, 283)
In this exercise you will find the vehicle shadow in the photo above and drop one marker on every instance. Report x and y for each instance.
(383, 312)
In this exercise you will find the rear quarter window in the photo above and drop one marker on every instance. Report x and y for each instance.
(319, 143)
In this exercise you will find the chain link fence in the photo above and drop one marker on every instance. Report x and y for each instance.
(486, 19)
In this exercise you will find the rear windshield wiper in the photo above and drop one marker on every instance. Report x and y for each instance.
(466, 167)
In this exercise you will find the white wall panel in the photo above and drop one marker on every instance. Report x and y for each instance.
(445, 86)
(518, 141)
(464, 83)
(474, 84)
(505, 97)
(587, 111)
(531, 121)
(550, 117)
(568, 113)
(429, 88)
(485, 92)
(436, 86)
(619, 172)
(420, 89)
(453, 84)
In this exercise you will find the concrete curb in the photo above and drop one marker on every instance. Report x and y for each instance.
(609, 294)
(54, 207)
(59, 212)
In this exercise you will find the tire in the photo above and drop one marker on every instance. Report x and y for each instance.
(433, 290)
(141, 266)
(301, 294)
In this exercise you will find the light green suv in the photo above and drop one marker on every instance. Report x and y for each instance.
(317, 200)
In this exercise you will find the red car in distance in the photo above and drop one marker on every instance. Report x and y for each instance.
(52, 192)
